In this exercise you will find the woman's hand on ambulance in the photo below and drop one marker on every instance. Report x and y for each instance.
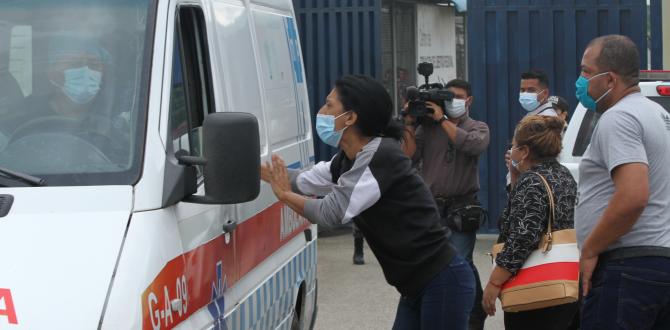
(266, 172)
(279, 179)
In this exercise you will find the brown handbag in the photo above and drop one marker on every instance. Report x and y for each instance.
(550, 275)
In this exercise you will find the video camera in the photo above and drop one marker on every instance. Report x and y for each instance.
(434, 92)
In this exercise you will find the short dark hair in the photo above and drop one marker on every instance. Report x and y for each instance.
(460, 83)
(618, 54)
(371, 103)
(536, 74)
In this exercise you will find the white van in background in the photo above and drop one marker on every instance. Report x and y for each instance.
(131, 133)
(653, 84)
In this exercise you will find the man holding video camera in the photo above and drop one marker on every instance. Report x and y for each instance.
(446, 143)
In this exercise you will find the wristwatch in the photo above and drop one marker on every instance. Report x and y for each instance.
(444, 117)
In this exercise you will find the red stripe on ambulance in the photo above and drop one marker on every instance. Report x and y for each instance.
(266, 232)
(186, 283)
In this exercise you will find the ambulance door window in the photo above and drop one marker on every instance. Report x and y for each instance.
(281, 71)
(191, 93)
(238, 62)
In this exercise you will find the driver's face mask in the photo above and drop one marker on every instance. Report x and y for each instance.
(81, 84)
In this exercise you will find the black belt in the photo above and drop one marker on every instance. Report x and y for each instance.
(457, 199)
(634, 252)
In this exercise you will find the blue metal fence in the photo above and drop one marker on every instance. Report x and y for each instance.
(508, 37)
(338, 37)
(505, 38)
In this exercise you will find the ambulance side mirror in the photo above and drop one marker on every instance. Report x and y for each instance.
(231, 151)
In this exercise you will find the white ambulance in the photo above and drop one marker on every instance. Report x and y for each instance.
(131, 133)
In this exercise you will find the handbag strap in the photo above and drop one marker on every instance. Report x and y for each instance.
(552, 215)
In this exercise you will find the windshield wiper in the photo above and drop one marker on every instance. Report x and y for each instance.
(27, 178)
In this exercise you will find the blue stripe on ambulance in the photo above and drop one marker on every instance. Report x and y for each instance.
(291, 43)
(273, 300)
(295, 166)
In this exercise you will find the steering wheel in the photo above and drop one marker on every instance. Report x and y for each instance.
(43, 152)
(72, 126)
(45, 124)
(60, 128)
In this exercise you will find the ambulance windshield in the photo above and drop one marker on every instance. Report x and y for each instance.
(73, 89)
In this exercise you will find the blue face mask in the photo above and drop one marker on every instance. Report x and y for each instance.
(82, 84)
(325, 128)
(529, 101)
(582, 92)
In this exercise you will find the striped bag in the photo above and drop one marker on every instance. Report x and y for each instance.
(550, 275)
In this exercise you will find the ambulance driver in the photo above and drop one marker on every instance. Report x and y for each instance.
(371, 181)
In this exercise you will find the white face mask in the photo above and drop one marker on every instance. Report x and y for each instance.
(456, 108)
(514, 163)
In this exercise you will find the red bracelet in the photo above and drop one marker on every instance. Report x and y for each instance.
(495, 286)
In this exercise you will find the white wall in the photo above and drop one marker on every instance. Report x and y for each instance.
(436, 40)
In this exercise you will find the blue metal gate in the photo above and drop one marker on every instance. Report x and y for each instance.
(508, 37)
(338, 37)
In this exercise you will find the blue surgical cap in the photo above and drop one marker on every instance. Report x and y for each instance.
(62, 47)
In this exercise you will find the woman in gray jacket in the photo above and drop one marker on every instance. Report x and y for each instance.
(372, 182)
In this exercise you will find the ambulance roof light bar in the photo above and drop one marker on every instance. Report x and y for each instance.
(654, 75)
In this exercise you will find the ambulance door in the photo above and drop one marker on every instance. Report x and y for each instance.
(282, 81)
(273, 243)
(207, 232)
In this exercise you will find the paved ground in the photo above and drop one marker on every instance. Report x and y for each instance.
(358, 297)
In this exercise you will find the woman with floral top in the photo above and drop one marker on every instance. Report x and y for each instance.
(536, 144)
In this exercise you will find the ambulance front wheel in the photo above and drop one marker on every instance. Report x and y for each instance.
(297, 319)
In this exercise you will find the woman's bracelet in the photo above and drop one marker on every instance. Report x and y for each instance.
(495, 285)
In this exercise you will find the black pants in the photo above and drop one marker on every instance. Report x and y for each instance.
(550, 318)
(477, 315)
(357, 233)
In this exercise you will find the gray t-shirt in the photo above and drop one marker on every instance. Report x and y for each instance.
(635, 130)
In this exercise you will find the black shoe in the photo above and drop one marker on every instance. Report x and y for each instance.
(358, 251)
(358, 259)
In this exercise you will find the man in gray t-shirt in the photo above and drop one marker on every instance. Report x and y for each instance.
(633, 131)
(623, 214)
